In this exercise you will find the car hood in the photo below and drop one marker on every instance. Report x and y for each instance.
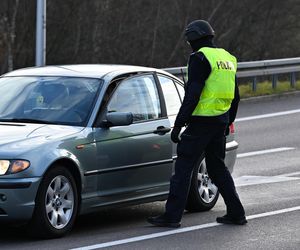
(20, 134)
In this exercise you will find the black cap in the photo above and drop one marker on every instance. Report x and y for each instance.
(198, 29)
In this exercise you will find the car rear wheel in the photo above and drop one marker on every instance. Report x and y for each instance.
(56, 204)
(203, 194)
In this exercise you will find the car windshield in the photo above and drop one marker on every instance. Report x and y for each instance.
(48, 100)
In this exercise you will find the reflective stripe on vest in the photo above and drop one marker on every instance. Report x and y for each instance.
(218, 92)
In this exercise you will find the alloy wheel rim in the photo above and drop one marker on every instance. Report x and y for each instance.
(59, 202)
(207, 190)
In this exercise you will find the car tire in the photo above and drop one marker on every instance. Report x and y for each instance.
(203, 194)
(56, 204)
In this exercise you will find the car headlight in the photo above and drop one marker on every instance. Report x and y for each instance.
(4, 165)
(13, 166)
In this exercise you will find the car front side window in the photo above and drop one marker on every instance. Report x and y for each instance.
(172, 99)
(137, 95)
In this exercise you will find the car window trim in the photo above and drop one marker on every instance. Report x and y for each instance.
(161, 96)
(174, 82)
(133, 75)
(179, 83)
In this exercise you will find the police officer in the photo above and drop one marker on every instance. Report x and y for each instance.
(210, 105)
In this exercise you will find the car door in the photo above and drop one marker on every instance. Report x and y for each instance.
(136, 160)
(173, 94)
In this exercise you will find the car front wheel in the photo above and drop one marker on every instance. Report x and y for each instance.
(56, 204)
(203, 194)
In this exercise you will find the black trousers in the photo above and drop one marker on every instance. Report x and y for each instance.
(196, 140)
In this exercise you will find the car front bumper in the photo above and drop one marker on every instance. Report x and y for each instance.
(17, 198)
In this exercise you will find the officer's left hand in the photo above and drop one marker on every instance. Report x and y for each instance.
(175, 134)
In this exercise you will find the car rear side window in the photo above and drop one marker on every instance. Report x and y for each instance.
(137, 95)
(172, 99)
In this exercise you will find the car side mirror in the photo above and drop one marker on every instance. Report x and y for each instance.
(118, 119)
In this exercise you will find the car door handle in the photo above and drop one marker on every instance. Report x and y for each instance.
(161, 130)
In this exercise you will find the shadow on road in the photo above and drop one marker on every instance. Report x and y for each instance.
(86, 225)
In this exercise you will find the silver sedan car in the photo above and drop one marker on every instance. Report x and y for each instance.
(78, 138)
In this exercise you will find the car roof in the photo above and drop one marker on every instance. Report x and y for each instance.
(83, 70)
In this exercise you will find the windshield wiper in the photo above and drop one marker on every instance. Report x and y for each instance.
(26, 120)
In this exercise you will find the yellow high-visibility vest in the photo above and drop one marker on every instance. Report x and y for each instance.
(218, 92)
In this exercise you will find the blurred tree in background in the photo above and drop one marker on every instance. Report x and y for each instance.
(145, 32)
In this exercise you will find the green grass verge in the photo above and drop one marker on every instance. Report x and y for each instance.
(265, 88)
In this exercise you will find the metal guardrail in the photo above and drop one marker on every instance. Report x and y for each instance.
(259, 68)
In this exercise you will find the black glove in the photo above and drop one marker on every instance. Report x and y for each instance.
(175, 134)
(227, 131)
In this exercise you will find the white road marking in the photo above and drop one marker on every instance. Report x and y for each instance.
(281, 211)
(290, 174)
(178, 231)
(240, 181)
(255, 180)
(262, 152)
(255, 117)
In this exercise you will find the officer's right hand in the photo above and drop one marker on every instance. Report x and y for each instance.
(227, 130)
(175, 134)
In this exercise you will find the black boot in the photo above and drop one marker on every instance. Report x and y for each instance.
(162, 221)
(226, 219)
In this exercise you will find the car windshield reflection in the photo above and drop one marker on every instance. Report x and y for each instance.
(48, 100)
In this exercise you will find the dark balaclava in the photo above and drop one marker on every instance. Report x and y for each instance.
(203, 42)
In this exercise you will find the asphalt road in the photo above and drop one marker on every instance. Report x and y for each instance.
(267, 175)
